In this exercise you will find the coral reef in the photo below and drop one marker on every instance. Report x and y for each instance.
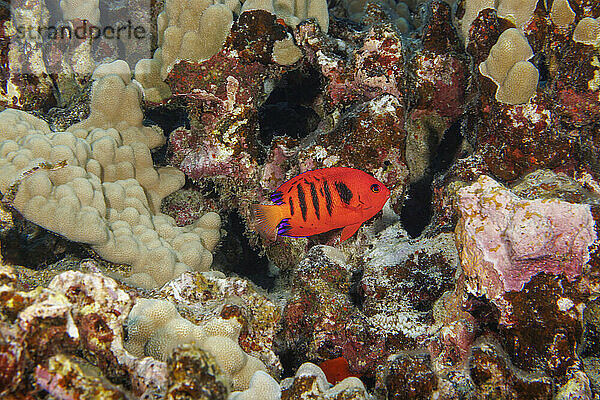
(201, 297)
(129, 264)
(509, 68)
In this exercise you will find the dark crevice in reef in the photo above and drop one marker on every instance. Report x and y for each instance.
(447, 149)
(355, 296)
(34, 247)
(542, 66)
(168, 119)
(417, 209)
(235, 254)
(291, 355)
(485, 312)
(287, 111)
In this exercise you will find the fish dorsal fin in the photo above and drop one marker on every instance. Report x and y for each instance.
(349, 230)
(266, 220)
(277, 197)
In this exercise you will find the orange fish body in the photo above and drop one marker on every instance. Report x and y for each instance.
(321, 200)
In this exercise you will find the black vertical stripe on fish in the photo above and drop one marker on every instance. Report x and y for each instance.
(327, 197)
(315, 199)
(344, 192)
(302, 201)
(291, 203)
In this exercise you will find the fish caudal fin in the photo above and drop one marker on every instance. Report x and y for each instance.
(266, 220)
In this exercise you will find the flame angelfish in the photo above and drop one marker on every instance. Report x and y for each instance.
(319, 201)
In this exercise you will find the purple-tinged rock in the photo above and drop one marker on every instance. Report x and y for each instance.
(504, 240)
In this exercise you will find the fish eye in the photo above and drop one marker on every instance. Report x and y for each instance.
(375, 188)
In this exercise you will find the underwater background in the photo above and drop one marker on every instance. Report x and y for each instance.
(136, 136)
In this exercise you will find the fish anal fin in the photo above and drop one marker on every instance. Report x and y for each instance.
(266, 219)
(348, 231)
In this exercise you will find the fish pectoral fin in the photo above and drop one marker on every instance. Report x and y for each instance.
(348, 231)
(358, 209)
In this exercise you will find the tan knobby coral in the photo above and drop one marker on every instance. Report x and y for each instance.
(16, 123)
(561, 13)
(147, 73)
(508, 66)
(587, 31)
(155, 329)
(116, 104)
(285, 52)
(109, 193)
(262, 386)
(518, 12)
(117, 67)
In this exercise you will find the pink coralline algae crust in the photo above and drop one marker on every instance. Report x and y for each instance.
(185, 206)
(273, 172)
(441, 83)
(213, 159)
(12, 363)
(504, 240)
(222, 95)
(578, 108)
(207, 157)
(212, 91)
(576, 96)
(230, 83)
